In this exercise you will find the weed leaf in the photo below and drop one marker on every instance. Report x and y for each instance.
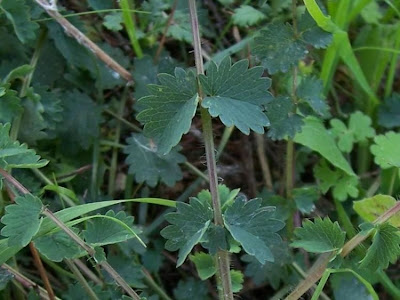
(236, 94)
(246, 15)
(284, 122)
(314, 136)
(342, 184)
(22, 220)
(389, 112)
(278, 49)
(371, 208)
(16, 155)
(385, 248)
(253, 227)
(58, 246)
(189, 224)
(109, 230)
(19, 15)
(169, 109)
(10, 104)
(310, 91)
(319, 236)
(205, 264)
(386, 150)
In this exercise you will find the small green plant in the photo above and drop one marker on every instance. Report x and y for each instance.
(297, 118)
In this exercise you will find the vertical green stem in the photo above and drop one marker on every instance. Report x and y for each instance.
(114, 156)
(130, 27)
(222, 257)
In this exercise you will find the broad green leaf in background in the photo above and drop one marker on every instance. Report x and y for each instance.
(389, 112)
(169, 109)
(19, 15)
(33, 125)
(386, 150)
(180, 29)
(246, 15)
(342, 184)
(101, 4)
(205, 264)
(236, 94)
(58, 246)
(278, 49)
(22, 220)
(359, 130)
(253, 227)
(284, 122)
(148, 165)
(319, 236)
(192, 289)
(310, 91)
(113, 21)
(74, 53)
(371, 208)
(312, 34)
(372, 13)
(315, 136)
(16, 155)
(10, 104)
(108, 230)
(52, 109)
(272, 272)
(304, 198)
(385, 248)
(189, 223)
(5, 278)
(127, 267)
(347, 286)
(79, 112)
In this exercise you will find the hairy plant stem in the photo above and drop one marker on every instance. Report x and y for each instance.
(46, 212)
(318, 269)
(222, 257)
